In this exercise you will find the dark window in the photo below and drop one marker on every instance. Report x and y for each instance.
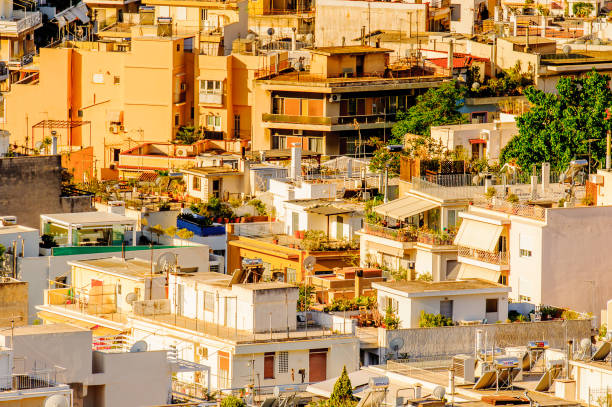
(191, 112)
(269, 365)
(492, 304)
(116, 153)
(176, 119)
(236, 125)
(178, 47)
(116, 80)
(455, 10)
(446, 308)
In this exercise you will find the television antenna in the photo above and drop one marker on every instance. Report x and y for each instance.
(309, 263)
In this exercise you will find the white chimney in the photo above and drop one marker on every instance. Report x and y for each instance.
(53, 145)
(296, 162)
(496, 14)
(545, 177)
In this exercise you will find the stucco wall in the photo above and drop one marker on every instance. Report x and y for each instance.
(13, 303)
(31, 186)
(460, 339)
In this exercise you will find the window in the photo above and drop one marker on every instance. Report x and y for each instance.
(210, 87)
(213, 121)
(116, 80)
(269, 365)
(446, 308)
(196, 185)
(525, 245)
(278, 105)
(503, 279)
(283, 362)
(491, 305)
(279, 142)
(60, 282)
(455, 10)
(453, 218)
(236, 125)
(178, 47)
(209, 301)
(291, 275)
(203, 14)
(177, 119)
(116, 152)
(315, 144)
(119, 289)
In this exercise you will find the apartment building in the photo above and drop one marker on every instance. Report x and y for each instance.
(17, 47)
(347, 95)
(548, 256)
(415, 232)
(227, 329)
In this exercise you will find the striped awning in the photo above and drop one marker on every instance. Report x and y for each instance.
(403, 208)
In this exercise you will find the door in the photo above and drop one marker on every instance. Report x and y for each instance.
(359, 65)
(269, 365)
(317, 365)
(446, 308)
(295, 222)
(216, 188)
(223, 379)
(339, 227)
(491, 310)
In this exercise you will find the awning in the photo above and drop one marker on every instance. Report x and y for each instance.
(478, 235)
(403, 208)
(478, 141)
(468, 271)
(114, 116)
(328, 210)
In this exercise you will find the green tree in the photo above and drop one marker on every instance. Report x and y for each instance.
(557, 126)
(184, 234)
(232, 401)
(343, 390)
(438, 106)
(188, 135)
(582, 9)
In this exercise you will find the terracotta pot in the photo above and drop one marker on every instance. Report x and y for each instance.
(302, 234)
(297, 234)
(274, 241)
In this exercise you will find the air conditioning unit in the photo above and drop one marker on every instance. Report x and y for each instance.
(334, 97)
(464, 367)
(298, 132)
(181, 152)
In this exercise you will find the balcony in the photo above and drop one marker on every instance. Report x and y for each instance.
(28, 381)
(364, 119)
(211, 98)
(285, 118)
(436, 239)
(18, 62)
(21, 21)
(397, 234)
(497, 258)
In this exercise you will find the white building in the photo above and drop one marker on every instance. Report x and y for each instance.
(65, 354)
(25, 239)
(338, 219)
(89, 229)
(553, 256)
(236, 334)
(478, 140)
(469, 300)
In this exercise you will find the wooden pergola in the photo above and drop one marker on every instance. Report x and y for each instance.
(61, 124)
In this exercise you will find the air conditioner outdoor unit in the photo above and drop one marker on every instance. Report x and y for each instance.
(298, 132)
(334, 97)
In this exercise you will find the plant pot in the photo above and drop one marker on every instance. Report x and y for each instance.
(274, 241)
(291, 246)
(302, 234)
(226, 220)
(242, 219)
(297, 234)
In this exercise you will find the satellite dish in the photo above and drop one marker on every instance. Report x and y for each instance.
(165, 262)
(396, 344)
(270, 31)
(566, 49)
(297, 66)
(309, 263)
(309, 37)
(57, 400)
(475, 85)
(439, 392)
(130, 298)
(250, 37)
(139, 346)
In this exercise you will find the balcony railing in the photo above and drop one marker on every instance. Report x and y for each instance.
(20, 22)
(499, 258)
(397, 234)
(21, 60)
(285, 118)
(364, 119)
(28, 381)
(435, 239)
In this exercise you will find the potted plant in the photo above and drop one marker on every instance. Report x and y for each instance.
(274, 239)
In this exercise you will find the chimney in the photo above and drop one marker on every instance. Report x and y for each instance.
(54, 145)
(296, 162)
(358, 282)
(534, 186)
(545, 177)
(450, 57)
(293, 46)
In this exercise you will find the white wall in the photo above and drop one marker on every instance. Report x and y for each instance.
(525, 276)
(8, 234)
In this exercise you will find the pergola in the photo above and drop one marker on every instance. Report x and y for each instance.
(61, 124)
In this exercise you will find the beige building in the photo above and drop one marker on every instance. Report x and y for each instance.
(346, 96)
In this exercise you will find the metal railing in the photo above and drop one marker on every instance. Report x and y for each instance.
(436, 239)
(397, 234)
(379, 118)
(29, 380)
(518, 209)
(499, 258)
(285, 118)
(191, 389)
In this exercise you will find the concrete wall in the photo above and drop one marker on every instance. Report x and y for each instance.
(526, 276)
(31, 186)
(10, 234)
(13, 303)
(133, 379)
(460, 339)
(591, 379)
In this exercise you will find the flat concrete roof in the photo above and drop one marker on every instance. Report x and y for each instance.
(129, 268)
(88, 218)
(348, 49)
(270, 285)
(7, 230)
(44, 329)
(441, 287)
(212, 171)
